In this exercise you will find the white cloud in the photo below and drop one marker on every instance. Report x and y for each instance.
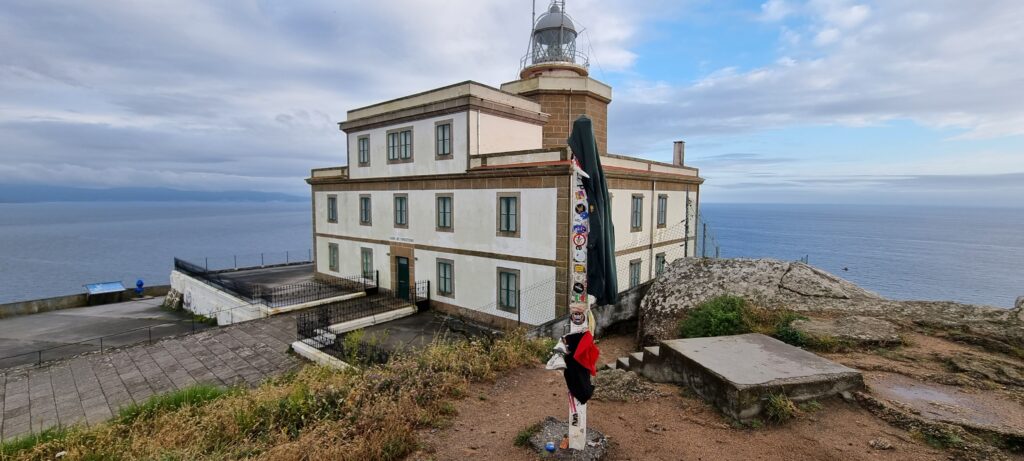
(946, 64)
(776, 10)
(214, 93)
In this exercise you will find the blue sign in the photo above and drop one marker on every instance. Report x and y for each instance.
(105, 287)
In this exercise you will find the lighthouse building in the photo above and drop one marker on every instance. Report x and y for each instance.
(467, 186)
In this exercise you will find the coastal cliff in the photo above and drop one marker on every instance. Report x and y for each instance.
(798, 287)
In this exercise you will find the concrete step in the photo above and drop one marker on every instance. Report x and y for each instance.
(652, 351)
(636, 361)
(622, 363)
(609, 366)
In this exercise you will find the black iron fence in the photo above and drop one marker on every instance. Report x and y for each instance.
(252, 260)
(313, 323)
(313, 290)
(219, 278)
(277, 295)
(358, 352)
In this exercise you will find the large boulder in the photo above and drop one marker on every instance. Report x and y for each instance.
(774, 284)
(855, 330)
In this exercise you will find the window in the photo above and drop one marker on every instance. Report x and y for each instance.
(508, 214)
(508, 290)
(634, 273)
(366, 262)
(332, 208)
(332, 256)
(445, 221)
(364, 210)
(363, 144)
(443, 139)
(402, 210)
(399, 145)
(636, 214)
(662, 210)
(659, 264)
(392, 146)
(445, 277)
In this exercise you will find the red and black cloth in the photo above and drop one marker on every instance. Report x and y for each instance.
(580, 365)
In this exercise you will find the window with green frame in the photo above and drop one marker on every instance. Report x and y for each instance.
(508, 214)
(364, 150)
(332, 256)
(443, 135)
(508, 290)
(401, 211)
(634, 273)
(332, 208)
(393, 146)
(445, 277)
(662, 210)
(636, 214)
(364, 210)
(444, 212)
(366, 262)
(405, 145)
(659, 263)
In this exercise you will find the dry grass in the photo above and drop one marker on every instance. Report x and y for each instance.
(317, 413)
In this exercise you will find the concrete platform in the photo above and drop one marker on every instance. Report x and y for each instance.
(737, 373)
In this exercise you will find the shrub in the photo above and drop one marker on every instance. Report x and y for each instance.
(721, 316)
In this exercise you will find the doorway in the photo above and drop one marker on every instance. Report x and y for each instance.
(402, 277)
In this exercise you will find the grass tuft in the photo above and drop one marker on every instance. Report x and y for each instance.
(29, 441)
(778, 409)
(523, 437)
(194, 395)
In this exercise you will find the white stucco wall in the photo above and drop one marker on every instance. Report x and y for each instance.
(476, 285)
(475, 221)
(349, 258)
(424, 161)
(203, 299)
(499, 134)
(675, 213)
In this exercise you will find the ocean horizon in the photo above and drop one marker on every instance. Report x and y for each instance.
(964, 254)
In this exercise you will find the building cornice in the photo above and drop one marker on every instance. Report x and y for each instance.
(439, 108)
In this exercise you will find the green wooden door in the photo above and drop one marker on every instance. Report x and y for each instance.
(402, 283)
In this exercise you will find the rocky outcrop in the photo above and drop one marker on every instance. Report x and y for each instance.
(855, 330)
(774, 284)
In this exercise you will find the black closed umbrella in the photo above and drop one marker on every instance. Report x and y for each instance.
(602, 281)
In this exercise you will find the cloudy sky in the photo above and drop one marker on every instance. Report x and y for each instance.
(823, 101)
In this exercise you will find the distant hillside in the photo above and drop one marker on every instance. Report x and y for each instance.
(35, 194)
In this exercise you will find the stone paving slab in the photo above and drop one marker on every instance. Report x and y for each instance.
(91, 388)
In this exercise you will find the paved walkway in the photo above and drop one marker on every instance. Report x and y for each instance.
(64, 333)
(91, 388)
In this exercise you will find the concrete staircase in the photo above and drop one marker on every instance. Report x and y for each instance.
(738, 373)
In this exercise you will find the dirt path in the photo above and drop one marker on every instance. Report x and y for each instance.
(671, 427)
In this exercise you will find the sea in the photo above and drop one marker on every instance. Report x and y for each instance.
(972, 255)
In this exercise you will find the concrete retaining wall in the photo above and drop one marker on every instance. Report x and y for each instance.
(36, 306)
(203, 299)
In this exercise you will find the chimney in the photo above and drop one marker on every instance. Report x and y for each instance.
(678, 151)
